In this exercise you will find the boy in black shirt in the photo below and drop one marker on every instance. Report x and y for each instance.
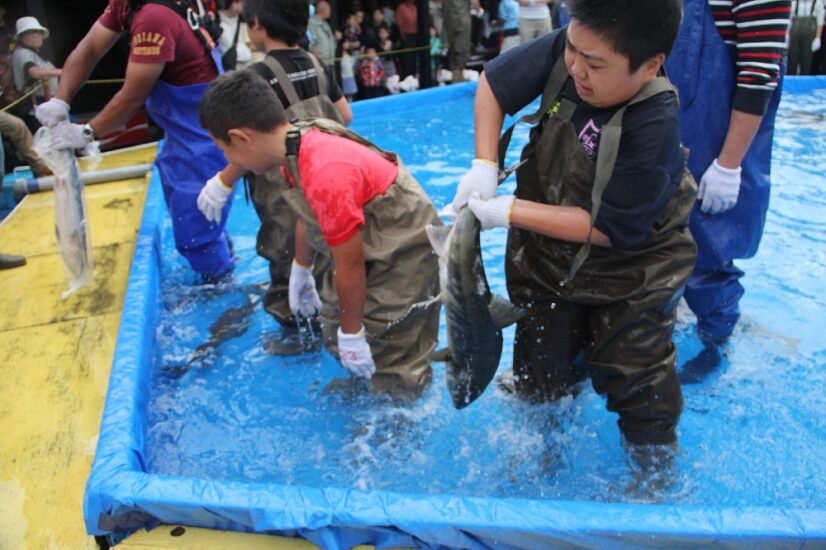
(277, 28)
(598, 246)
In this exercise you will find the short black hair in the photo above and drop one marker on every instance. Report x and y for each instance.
(638, 29)
(240, 99)
(282, 19)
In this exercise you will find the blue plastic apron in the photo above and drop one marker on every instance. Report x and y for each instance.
(701, 65)
(188, 159)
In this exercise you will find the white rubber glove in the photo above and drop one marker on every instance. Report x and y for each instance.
(492, 213)
(719, 188)
(816, 44)
(213, 197)
(67, 135)
(52, 112)
(355, 353)
(482, 178)
(302, 294)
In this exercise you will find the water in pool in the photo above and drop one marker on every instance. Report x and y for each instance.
(752, 433)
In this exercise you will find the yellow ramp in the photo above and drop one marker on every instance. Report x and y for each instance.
(55, 357)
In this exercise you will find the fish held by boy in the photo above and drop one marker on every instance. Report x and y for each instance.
(475, 316)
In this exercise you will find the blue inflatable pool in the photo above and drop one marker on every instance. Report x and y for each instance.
(219, 428)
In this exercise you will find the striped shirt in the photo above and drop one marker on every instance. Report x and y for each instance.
(758, 29)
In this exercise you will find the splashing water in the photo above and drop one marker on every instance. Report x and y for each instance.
(751, 433)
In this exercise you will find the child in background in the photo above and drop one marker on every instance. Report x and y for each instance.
(29, 68)
(436, 57)
(357, 206)
(371, 72)
(348, 76)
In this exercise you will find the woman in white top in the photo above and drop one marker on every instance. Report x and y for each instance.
(234, 36)
(534, 19)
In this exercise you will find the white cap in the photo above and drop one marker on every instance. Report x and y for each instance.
(28, 23)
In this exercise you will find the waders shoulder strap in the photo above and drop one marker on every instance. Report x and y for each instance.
(283, 79)
(606, 159)
(564, 107)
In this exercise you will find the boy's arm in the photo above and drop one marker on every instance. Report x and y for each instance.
(38, 73)
(351, 283)
(344, 110)
(565, 223)
(304, 252)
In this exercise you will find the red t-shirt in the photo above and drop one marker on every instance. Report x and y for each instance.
(339, 177)
(160, 35)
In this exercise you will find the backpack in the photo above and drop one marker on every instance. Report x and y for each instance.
(312, 107)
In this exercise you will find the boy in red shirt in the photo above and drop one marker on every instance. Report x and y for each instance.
(357, 205)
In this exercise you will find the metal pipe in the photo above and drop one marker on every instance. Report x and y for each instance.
(24, 186)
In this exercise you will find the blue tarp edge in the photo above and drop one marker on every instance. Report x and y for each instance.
(119, 490)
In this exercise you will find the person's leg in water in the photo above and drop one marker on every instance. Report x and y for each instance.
(714, 296)
(546, 346)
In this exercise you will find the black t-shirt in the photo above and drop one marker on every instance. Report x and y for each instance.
(650, 161)
(299, 67)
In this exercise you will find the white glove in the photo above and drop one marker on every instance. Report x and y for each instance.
(213, 197)
(52, 112)
(482, 178)
(67, 135)
(495, 212)
(719, 188)
(355, 353)
(816, 44)
(303, 296)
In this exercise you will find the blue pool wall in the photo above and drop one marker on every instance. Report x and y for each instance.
(121, 497)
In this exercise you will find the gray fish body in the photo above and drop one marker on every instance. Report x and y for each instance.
(475, 317)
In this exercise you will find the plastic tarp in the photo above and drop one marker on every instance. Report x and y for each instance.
(122, 497)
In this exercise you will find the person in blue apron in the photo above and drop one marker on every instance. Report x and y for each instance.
(173, 57)
(729, 88)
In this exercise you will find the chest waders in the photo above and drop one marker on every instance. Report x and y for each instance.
(599, 311)
(187, 159)
(276, 235)
(401, 271)
(703, 68)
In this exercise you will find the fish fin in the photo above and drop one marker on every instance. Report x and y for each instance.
(503, 312)
(437, 234)
(441, 355)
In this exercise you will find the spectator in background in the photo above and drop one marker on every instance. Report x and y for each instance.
(434, 8)
(15, 131)
(478, 26)
(509, 16)
(29, 68)
(730, 84)
(407, 19)
(391, 75)
(235, 52)
(804, 34)
(323, 44)
(351, 35)
(559, 14)
(436, 55)
(348, 76)
(371, 73)
(370, 32)
(457, 30)
(534, 19)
